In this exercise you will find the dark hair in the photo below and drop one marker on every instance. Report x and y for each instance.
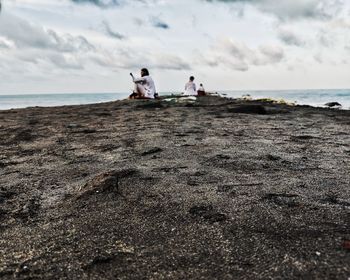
(145, 71)
(201, 85)
(192, 78)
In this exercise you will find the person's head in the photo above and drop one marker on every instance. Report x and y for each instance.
(201, 85)
(191, 78)
(144, 72)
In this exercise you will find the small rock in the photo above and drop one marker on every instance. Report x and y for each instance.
(89, 130)
(208, 213)
(73, 125)
(124, 248)
(152, 151)
(302, 137)
(272, 157)
(192, 183)
(333, 104)
(200, 210)
(105, 182)
(248, 109)
(23, 136)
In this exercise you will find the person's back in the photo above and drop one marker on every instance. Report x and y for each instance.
(150, 88)
(190, 87)
(201, 90)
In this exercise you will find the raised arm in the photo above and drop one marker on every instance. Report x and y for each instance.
(138, 80)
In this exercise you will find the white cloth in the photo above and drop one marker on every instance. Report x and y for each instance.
(190, 88)
(146, 85)
(201, 88)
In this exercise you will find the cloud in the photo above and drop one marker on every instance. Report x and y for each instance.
(129, 58)
(5, 43)
(33, 44)
(100, 3)
(111, 32)
(269, 55)
(158, 23)
(108, 3)
(107, 36)
(23, 33)
(318, 58)
(153, 21)
(238, 56)
(138, 21)
(290, 38)
(326, 39)
(340, 23)
(294, 9)
(169, 61)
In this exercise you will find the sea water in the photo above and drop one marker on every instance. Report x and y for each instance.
(301, 97)
(316, 98)
(51, 100)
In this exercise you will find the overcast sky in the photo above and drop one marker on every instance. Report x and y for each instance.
(63, 46)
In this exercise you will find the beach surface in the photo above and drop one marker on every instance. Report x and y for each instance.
(208, 189)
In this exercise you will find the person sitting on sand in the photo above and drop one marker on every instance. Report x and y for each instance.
(201, 90)
(144, 86)
(190, 87)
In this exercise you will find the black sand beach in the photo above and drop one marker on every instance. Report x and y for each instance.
(215, 189)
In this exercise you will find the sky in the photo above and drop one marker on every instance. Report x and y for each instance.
(83, 46)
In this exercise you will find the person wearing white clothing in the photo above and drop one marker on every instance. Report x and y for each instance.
(190, 87)
(144, 86)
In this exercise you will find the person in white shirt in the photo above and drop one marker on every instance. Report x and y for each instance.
(144, 86)
(190, 87)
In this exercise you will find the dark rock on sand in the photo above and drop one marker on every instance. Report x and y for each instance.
(333, 104)
(5, 195)
(208, 213)
(152, 151)
(105, 182)
(24, 135)
(273, 157)
(248, 109)
(73, 125)
(302, 137)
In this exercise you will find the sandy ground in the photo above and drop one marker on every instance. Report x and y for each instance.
(216, 189)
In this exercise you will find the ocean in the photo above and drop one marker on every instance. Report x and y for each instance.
(301, 97)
